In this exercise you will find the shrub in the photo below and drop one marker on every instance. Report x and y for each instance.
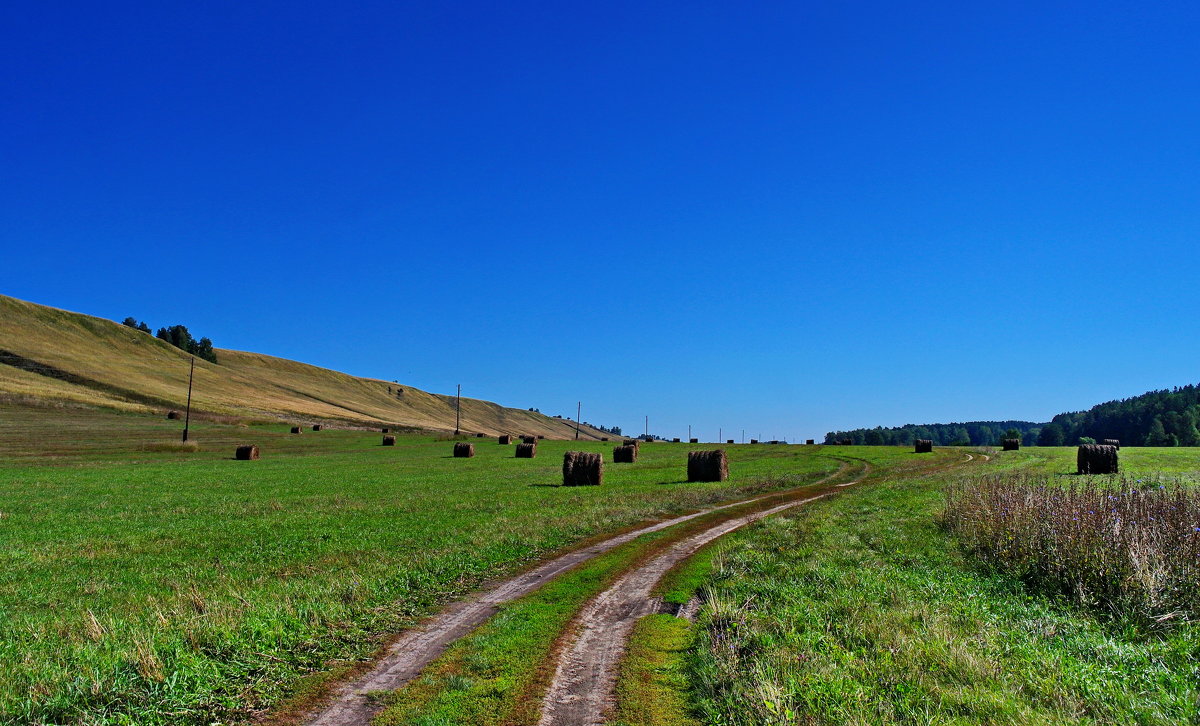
(1129, 547)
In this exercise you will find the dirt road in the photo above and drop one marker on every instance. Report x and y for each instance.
(581, 692)
(352, 705)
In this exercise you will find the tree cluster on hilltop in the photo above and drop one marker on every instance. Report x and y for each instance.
(178, 336)
(1157, 418)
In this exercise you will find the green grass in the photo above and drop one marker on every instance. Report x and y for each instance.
(179, 587)
(493, 676)
(488, 677)
(652, 689)
(860, 609)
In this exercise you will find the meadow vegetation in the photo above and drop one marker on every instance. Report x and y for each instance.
(864, 609)
(149, 586)
(146, 582)
(1128, 546)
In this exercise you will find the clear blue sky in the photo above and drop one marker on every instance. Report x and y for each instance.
(783, 217)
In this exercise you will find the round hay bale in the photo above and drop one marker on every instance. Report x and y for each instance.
(540, 437)
(631, 442)
(604, 438)
(582, 468)
(1010, 445)
(246, 452)
(923, 446)
(675, 441)
(754, 441)
(693, 441)
(527, 450)
(317, 427)
(504, 439)
(479, 436)
(173, 415)
(625, 454)
(529, 439)
(707, 465)
(729, 441)
(296, 429)
(385, 431)
(1096, 459)
(463, 450)
(810, 442)
(389, 440)
(1112, 442)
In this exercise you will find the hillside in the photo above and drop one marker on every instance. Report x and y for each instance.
(52, 357)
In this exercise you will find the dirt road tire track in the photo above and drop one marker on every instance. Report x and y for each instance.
(581, 692)
(351, 703)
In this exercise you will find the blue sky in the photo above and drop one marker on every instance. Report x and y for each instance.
(779, 217)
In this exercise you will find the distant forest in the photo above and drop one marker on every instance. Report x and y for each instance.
(1158, 418)
(971, 433)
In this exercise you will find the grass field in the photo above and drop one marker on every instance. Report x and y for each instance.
(145, 586)
(861, 609)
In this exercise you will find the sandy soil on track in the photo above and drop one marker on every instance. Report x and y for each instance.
(351, 704)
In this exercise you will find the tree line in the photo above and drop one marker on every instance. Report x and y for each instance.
(970, 433)
(178, 336)
(1156, 418)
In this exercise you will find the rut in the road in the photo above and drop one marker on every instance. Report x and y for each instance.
(582, 690)
(351, 703)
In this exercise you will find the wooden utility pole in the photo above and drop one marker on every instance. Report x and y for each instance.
(458, 411)
(647, 428)
(720, 435)
(689, 432)
(578, 410)
(187, 418)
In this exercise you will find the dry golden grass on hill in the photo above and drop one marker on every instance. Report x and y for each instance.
(84, 360)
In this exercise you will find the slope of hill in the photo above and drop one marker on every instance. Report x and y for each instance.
(55, 357)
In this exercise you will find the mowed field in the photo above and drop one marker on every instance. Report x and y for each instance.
(146, 585)
(141, 585)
